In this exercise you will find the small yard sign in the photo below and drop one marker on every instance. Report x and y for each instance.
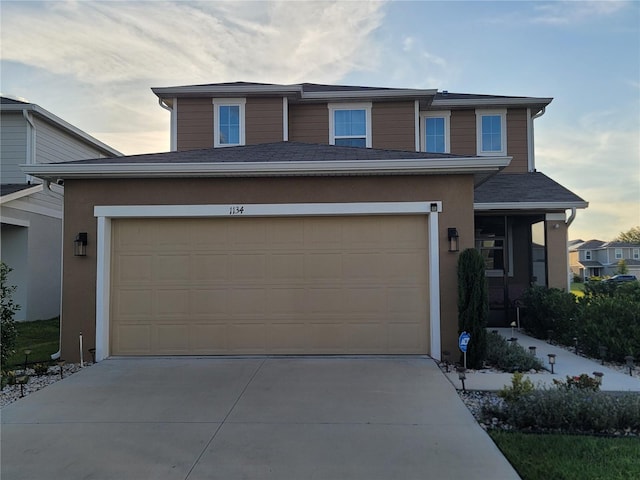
(463, 341)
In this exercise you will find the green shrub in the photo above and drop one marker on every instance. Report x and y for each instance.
(7, 311)
(549, 309)
(574, 410)
(510, 357)
(40, 369)
(611, 321)
(519, 386)
(473, 304)
(580, 382)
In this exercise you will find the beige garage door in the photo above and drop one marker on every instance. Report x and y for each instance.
(296, 285)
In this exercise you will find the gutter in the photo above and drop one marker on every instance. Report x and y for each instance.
(476, 165)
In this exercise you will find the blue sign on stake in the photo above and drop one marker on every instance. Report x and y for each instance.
(463, 341)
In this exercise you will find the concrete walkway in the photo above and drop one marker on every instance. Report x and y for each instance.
(249, 418)
(567, 363)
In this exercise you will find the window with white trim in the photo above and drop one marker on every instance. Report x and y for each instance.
(618, 253)
(587, 254)
(636, 253)
(350, 124)
(228, 122)
(491, 132)
(434, 132)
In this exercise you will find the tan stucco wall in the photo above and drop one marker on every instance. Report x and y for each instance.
(79, 296)
(557, 255)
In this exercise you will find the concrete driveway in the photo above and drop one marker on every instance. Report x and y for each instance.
(245, 418)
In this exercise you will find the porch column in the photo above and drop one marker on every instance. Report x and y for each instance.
(557, 252)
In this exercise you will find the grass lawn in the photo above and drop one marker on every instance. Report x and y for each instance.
(566, 457)
(577, 289)
(40, 336)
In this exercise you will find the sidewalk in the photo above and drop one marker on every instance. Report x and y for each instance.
(567, 363)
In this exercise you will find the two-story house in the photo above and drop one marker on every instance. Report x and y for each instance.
(595, 258)
(308, 219)
(31, 210)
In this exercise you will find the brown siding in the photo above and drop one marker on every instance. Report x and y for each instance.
(195, 123)
(517, 141)
(309, 123)
(263, 117)
(463, 132)
(79, 296)
(393, 125)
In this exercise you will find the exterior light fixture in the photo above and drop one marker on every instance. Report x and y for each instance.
(552, 360)
(575, 343)
(433, 207)
(454, 239)
(532, 350)
(629, 359)
(80, 245)
(598, 376)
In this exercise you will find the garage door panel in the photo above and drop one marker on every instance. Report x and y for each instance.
(172, 302)
(327, 337)
(133, 339)
(208, 338)
(210, 302)
(246, 337)
(133, 302)
(170, 338)
(134, 269)
(171, 268)
(247, 301)
(323, 267)
(286, 267)
(248, 267)
(211, 268)
(317, 285)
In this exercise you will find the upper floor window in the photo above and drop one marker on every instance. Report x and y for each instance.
(636, 253)
(618, 253)
(491, 132)
(435, 132)
(587, 254)
(350, 124)
(228, 122)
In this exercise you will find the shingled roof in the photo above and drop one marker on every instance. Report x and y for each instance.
(525, 188)
(272, 152)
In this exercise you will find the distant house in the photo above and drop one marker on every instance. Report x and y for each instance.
(596, 258)
(309, 219)
(31, 211)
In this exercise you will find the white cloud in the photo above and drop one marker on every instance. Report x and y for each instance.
(107, 42)
(111, 53)
(602, 165)
(571, 12)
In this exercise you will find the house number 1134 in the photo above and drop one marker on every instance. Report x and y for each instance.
(236, 210)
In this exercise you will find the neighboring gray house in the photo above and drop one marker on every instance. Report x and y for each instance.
(595, 258)
(30, 211)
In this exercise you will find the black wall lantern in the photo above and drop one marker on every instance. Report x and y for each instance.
(454, 244)
(80, 245)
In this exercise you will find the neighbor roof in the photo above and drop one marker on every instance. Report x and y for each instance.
(273, 159)
(517, 191)
(11, 105)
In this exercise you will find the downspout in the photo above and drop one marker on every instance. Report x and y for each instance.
(571, 218)
(173, 134)
(56, 356)
(568, 223)
(31, 144)
(530, 146)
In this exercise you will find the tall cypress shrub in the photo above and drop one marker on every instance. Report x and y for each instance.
(473, 305)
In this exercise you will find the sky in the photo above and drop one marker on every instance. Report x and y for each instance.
(93, 64)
